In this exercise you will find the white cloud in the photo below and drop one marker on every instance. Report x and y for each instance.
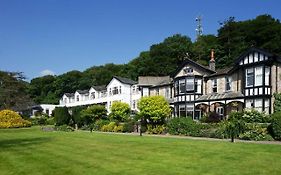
(47, 72)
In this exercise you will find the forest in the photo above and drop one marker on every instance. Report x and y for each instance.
(232, 38)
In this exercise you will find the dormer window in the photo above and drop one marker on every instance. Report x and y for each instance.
(77, 98)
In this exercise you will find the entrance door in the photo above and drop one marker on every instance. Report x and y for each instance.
(220, 111)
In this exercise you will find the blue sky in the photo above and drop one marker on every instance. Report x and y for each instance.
(44, 36)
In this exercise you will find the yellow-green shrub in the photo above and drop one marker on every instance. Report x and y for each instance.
(11, 119)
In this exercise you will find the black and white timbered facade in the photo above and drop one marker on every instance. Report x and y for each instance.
(250, 83)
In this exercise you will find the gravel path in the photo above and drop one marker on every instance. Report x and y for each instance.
(196, 138)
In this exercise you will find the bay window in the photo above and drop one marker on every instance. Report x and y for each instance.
(182, 86)
(189, 84)
(266, 78)
(249, 77)
(258, 76)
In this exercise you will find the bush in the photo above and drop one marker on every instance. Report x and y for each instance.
(212, 117)
(99, 124)
(61, 116)
(183, 126)
(92, 114)
(118, 128)
(129, 126)
(50, 121)
(275, 126)
(158, 129)
(11, 119)
(255, 132)
(253, 116)
(65, 128)
(120, 111)
(109, 127)
(76, 115)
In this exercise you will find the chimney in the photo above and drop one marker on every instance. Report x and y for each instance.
(212, 63)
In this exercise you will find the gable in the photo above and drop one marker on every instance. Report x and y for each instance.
(198, 69)
(252, 56)
(190, 69)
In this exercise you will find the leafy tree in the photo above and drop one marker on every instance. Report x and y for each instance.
(62, 116)
(155, 109)
(13, 91)
(234, 125)
(93, 113)
(42, 90)
(120, 111)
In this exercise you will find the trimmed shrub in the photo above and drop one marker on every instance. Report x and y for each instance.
(76, 115)
(61, 116)
(93, 113)
(275, 126)
(11, 119)
(183, 126)
(158, 129)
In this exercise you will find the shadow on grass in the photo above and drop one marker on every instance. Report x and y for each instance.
(10, 143)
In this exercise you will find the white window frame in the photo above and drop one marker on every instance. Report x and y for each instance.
(251, 70)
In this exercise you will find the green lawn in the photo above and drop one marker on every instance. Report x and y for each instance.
(31, 151)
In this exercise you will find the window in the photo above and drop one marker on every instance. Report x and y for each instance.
(228, 81)
(188, 70)
(134, 104)
(110, 93)
(197, 86)
(77, 98)
(176, 88)
(182, 86)
(120, 90)
(167, 92)
(157, 91)
(249, 103)
(266, 106)
(47, 111)
(189, 84)
(182, 111)
(258, 105)
(267, 72)
(258, 76)
(214, 85)
(93, 96)
(249, 77)
(65, 100)
(115, 90)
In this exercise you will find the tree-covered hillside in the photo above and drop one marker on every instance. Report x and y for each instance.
(232, 39)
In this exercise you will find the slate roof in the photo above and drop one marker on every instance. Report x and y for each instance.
(83, 91)
(125, 80)
(216, 96)
(153, 80)
(99, 88)
(223, 71)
